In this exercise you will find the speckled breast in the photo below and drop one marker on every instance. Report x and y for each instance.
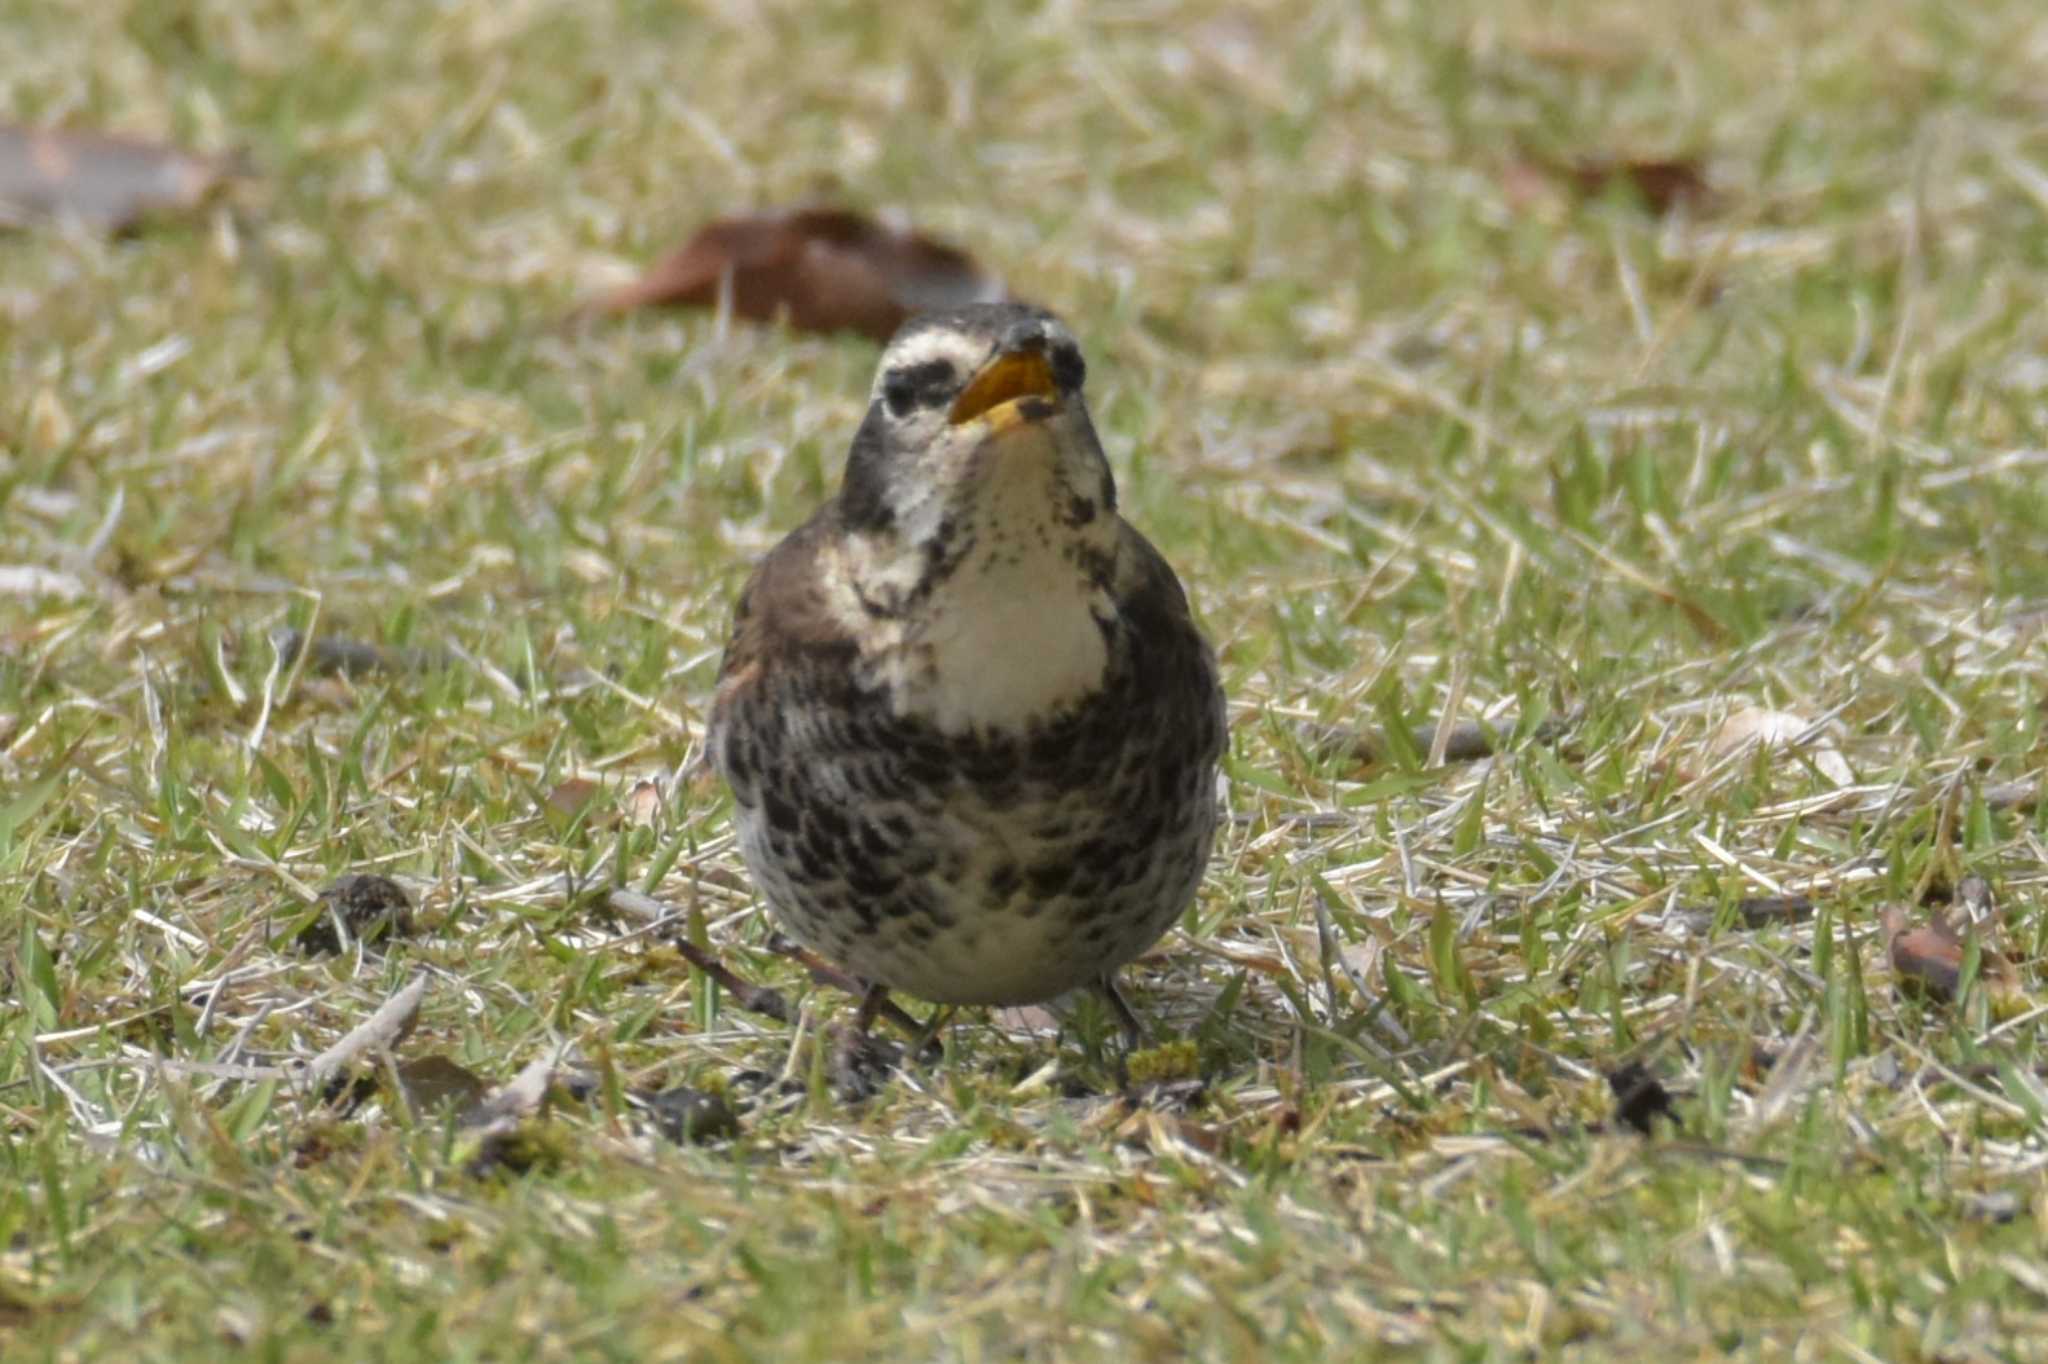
(987, 868)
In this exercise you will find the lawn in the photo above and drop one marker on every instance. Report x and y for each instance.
(1605, 443)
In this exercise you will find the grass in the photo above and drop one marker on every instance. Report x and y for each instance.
(1424, 429)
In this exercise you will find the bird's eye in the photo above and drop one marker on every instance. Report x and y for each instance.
(924, 385)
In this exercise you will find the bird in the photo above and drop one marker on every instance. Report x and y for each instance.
(969, 724)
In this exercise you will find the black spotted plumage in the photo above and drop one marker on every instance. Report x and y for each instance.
(967, 860)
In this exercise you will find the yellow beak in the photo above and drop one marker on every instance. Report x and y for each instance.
(1005, 379)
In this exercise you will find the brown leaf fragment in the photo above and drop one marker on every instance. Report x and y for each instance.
(823, 269)
(357, 908)
(110, 184)
(434, 1082)
(1927, 961)
(1640, 1097)
(1661, 183)
(571, 798)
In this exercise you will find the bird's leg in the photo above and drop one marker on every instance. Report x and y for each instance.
(1133, 1030)
(859, 1059)
(874, 1000)
(825, 973)
(926, 1046)
(1127, 1022)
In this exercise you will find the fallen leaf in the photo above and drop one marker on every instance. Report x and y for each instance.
(109, 184)
(572, 797)
(1168, 1133)
(824, 269)
(433, 1082)
(1662, 183)
(1777, 730)
(1927, 961)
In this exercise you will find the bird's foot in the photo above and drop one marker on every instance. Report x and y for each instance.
(860, 1061)
(825, 973)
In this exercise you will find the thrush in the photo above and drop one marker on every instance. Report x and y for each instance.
(970, 727)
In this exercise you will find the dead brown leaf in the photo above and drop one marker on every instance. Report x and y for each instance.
(434, 1082)
(1662, 183)
(110, 184)
(1927, 961)
(572, 797)
(823, 269)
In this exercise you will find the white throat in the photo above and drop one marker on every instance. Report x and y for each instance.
(1007, 640)
(1014, 632)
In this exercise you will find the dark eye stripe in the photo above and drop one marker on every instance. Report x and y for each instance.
(928, 378)
(925, 385)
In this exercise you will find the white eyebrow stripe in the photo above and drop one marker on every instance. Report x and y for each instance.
(936, 344)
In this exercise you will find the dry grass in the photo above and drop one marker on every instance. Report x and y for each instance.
(1425, 431)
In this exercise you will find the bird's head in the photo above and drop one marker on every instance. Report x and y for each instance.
(977, 444)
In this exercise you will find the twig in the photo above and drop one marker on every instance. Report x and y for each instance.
(383, 1029)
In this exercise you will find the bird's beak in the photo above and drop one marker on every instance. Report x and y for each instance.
(995, 392)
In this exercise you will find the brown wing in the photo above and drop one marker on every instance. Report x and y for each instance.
(781, 627)
(1175, 664)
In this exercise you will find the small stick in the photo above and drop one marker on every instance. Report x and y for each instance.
(385, 1028)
